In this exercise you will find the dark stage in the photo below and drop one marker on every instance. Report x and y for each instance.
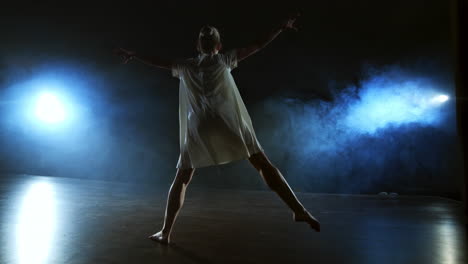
(64, 220)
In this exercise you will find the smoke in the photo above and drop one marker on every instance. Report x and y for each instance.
(393, 98)
(389, 132)
(114, 128)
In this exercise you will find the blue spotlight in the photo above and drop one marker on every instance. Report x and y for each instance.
(49, 108)
(384, 102)
(442, 98)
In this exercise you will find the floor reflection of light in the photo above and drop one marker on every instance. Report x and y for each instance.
(36, 224)
(447, 242)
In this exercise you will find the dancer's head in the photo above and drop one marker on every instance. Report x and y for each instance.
(209, 40)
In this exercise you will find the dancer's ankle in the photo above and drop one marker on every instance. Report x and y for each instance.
(301, 211)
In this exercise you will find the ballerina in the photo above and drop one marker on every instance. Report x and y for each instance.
(215, 127)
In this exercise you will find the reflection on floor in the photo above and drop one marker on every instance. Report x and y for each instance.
(60, 220)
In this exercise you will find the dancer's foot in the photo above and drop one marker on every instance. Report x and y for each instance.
(305, 216)
(160, 238)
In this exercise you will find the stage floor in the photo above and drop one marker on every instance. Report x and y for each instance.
(61, 220)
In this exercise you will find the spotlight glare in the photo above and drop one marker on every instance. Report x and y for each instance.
(442, 98)
(49, 109)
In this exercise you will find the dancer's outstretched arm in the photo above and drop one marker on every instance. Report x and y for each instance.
(243, 53)
(151, 61)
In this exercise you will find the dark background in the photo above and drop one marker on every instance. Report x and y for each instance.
(127, 128)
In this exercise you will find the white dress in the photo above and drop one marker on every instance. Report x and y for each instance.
(215, 127)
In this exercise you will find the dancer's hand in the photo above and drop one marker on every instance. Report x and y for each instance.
(289, 22)
(126, 55)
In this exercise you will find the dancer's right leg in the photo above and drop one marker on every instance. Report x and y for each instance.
(175, 200)
(275, 180)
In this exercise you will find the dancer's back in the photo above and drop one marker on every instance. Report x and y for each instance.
(207, 76)
(215, 127)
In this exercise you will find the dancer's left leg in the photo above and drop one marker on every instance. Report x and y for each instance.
(175, 200)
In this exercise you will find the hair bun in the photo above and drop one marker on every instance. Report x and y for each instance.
(208, 39)
(207, 31)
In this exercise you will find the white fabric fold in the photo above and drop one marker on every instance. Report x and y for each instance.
(215, 127)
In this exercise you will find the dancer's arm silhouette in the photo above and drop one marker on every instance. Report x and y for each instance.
(154, 61)
(243, 53)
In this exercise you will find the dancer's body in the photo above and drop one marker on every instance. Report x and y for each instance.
(215, 127)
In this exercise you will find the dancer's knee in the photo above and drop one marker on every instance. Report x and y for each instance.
(269, 172)
(272, 177)
(184, 175)
(259, 161)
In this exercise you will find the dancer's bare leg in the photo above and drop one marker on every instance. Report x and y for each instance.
(175, 200)
(275, 180)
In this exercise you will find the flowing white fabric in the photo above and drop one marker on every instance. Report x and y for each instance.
(215, 127)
